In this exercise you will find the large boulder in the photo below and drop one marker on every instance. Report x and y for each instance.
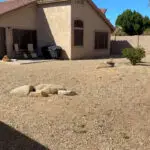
(49, 88)
(40, 87)
(22, 90)
(38, 94)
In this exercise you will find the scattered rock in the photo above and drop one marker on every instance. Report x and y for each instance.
(107, 64)
(38, 94)
(111, 63)
(6, 59)
(42, 90)
(49, 88)
(80, 129)
(23, 90)
(66, 92)
(103, 65)
(125, 136)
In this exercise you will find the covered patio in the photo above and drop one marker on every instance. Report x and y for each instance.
(24, 43)
(3, 50)
(18, 43)
(18, 29)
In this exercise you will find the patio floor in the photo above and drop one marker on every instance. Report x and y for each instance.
(23, 62)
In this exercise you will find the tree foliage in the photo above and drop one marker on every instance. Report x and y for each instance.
(132, 22)
(146, 22)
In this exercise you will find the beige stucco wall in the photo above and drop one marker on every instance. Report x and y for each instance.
(22, 18)
(92, 23)
(54, 25)
(118, 43)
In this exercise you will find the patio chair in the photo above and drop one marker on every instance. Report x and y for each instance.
(20, 53)
(17, 50)
(31, 51)
(25, 56)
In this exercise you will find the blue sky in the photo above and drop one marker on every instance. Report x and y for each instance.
(116, 7)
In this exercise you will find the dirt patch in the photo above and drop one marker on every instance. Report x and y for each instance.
(111, 110)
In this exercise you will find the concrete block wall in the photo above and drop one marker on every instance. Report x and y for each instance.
(118, 43)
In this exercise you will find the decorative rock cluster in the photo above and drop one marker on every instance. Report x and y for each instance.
(111, 63)
(41, 90)
(107, 64)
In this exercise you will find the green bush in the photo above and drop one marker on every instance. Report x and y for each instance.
(134, 54)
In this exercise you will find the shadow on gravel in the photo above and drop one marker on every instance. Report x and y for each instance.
(11, 139)
(144, 64)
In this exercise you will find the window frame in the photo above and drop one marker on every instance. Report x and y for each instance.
(102, 31)
(78, 28)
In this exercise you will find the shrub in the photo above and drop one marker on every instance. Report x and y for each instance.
(134, 54)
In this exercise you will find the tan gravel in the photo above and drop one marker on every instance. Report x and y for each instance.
(110, 112)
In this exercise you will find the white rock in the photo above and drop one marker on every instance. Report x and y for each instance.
(66, 92)
(49, 88)
(38, 94)
(22, 90)
(41, 86)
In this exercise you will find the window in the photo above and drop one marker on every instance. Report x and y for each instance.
(101, 40)
(78, 33)
(24, 37)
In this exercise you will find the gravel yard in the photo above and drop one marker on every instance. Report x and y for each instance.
(110, 112)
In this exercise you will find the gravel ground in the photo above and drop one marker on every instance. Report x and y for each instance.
(110, 112)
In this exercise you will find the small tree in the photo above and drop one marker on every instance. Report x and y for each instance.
(135, 55)
(131, 22)
(146, 22)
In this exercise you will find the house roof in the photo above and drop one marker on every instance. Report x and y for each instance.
(50, 1)
(101, 14)
(11, 5)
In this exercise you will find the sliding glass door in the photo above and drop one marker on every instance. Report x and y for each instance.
(24, 37)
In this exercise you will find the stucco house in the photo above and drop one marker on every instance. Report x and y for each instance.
(78, 26)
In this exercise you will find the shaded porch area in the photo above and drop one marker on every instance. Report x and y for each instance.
(18, 43)
(3, 50)
(24, 43)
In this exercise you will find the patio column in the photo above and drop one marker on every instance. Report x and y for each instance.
(9, 42)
